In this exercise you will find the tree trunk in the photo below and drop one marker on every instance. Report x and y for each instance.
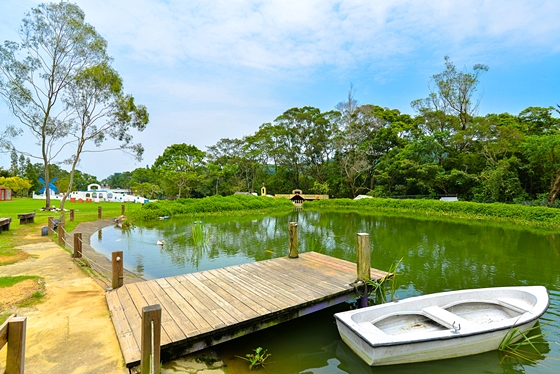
(555, 188)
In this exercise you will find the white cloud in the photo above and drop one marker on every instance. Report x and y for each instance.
(300, 34)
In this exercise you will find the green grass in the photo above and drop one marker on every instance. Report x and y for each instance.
(23, 234)
(538, 218)
(214, 205)
(35, 297)
(10, 281)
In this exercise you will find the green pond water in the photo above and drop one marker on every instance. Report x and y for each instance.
(436, 256)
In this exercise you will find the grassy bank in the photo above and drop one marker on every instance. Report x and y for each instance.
(531, 217)
(212, 206)
(27, 233)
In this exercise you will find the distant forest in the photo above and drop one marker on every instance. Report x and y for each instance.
(445, 148)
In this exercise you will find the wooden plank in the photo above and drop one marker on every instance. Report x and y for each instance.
(140, 302)
(211, 302)
(305, 270)
(222, 303)
(320, 281)
(288, 281)
(266, 284)
(241, 310)
(129, 346)
(182, 317)
(248, 282)
(132, 316)
(243, 287)
(172, 329)
(256, 304)
(185, 299)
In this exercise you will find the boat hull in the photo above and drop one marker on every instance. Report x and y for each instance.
(440, 326)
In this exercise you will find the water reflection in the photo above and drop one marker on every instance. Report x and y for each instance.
(437, 256)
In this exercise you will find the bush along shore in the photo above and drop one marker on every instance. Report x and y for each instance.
(211, 205)
(527, 216)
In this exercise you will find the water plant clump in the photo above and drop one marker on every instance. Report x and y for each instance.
(384, 290)
(257, 360)
(522, 345)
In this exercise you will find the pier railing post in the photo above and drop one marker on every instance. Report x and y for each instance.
(117, 260)
(60, 230)
(15, 337)
(51, 225)
(99, 212)
(77, 245)
(151, 338)
(293, 239)
(364, 263)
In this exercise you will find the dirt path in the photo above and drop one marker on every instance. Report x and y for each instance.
(71, 331)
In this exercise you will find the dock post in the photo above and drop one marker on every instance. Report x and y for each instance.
(60, 230)
(117, 260)
(15, 358)
(151, 338)
(99, 212)
(122, 210)
(77, 245)
(71, 215)
(293, 239)
(51, 225)
(364, 264)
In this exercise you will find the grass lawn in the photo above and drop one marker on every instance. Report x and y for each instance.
(27, 233)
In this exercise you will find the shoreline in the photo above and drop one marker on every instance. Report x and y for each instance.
(98, 262)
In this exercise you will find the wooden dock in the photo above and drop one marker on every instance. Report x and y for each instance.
(210, 307)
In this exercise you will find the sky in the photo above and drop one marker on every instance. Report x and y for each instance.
(208, 70)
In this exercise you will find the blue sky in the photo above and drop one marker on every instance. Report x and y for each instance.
(208, 70)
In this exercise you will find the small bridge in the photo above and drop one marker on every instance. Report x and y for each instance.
(210, 307)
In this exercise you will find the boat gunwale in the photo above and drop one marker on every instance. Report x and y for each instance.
(521, 321)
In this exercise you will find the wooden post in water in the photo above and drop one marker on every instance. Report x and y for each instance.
(60, 233)
(293, 239)
(77, 245)
(15, 358)
(117, 260)
(71, 214)
(151, 338)
(122, 210)
(99, 212)
(51, 225)
(364, 264)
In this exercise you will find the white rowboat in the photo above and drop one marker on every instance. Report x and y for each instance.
(441, 325)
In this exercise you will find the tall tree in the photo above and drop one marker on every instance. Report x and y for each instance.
(56, 45)
(456, 89)
(101, 110)
(181, 165)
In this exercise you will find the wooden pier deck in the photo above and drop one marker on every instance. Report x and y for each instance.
(209, 307)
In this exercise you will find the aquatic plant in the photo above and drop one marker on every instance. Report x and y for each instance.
(522, 345)
(257, 359)
(200, 234)
(379, 287)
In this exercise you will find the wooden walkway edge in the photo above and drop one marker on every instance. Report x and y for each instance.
(210, 307)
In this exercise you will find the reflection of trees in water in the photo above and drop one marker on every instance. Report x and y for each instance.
(436, 255)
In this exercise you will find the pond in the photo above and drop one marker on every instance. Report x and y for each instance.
(436, 256)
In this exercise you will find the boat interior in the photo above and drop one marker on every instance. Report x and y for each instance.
(468, 314)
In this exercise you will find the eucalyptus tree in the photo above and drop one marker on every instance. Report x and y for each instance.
(100, 110)
(56, 45)
(447, 113)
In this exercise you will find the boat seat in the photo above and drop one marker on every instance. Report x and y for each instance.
(444, 317)
(516, 305)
